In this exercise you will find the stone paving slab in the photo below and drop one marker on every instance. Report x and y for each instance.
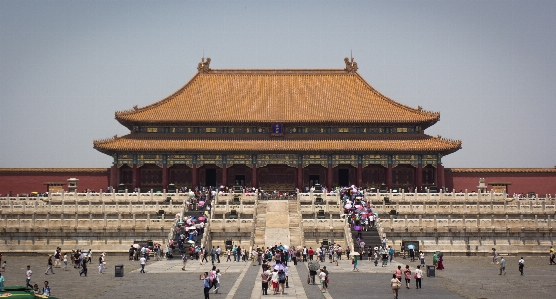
(464, 277)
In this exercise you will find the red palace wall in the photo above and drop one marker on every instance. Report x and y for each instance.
(540, 183)
(27, 181)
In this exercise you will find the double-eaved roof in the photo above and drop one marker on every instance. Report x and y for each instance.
(331, 97)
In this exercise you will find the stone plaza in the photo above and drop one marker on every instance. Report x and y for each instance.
(464, 277)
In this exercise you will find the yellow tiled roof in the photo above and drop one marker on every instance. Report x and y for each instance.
(420, 143)
(284, 96)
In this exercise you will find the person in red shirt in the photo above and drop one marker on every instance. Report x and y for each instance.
(311, 252)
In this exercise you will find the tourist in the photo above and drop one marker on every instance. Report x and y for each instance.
(84, 267)
(407, 274)
(184, 261)
(49, 265)
(395, 284)
(57, 255)
(28, 275)
(311, 253)
(384, 242)
(418, 277)
(218, 252)
(2, 279)
(551, 256)
(322, 277)
(142, 261)
(36, 289)
(354, 260)
(275, 281)
(206, 284)
(216, 281)
(494, 256)
(398, 273)
(265, 277)
(390, 253)
(100, 264)
(46, 290)
(440, 262)
(281, 281)
(65, 262)
(228, 253)
(521, 263)
(502, 266)
(422, 257)
(304, 254)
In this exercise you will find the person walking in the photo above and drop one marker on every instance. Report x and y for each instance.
(552, 262)
(65, 262)
(142, 261)
(100, 264)
(184, 260)
(354, 262)
(28, 275)
(2, 279)
(83, 267)
(322, 276)
(49, 265)
(206, 284)
(395, 284)
(502, 266)
(494, 256)
(521, 265)
(407, 274)
(265, 277)
(418, 277)
(399, 273)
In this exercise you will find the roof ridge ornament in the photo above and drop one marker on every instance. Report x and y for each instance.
(203, 66)
(351, 66)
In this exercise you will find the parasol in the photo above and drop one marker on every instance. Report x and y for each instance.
(286, 247)
(347, 206)
(314, 265)
(201, 218)
(136, 246)
(201, 203)
(279, 267)
(354, 253)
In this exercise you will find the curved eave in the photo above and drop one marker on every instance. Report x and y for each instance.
(130, 143)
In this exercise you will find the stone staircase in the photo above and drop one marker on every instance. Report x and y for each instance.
(295, 224)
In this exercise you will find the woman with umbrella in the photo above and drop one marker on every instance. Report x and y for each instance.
(354, 259)
(313, 266)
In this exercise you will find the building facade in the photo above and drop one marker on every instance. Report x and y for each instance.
(277, 130)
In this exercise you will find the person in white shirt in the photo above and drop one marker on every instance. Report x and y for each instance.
(322, 276)
(142, 261)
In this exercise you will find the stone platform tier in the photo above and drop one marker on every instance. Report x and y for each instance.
(99, 223)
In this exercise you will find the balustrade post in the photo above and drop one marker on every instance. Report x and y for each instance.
(76, 221)
(134, 220)
(105, 219)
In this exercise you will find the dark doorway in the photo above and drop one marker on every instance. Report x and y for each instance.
(210, 177)
(343, 177)
(240, 180)
(313, 180)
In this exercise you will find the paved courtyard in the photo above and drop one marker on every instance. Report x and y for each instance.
(464, 277)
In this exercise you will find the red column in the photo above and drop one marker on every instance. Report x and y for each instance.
(329, 178)
(419, 180)
(359, 175)
(389, 177)
(300, 176)
(165, 176)
(224, 175)
(439, 176)
(135, 173)
(254, 176)
(194, 179)
(114, 176)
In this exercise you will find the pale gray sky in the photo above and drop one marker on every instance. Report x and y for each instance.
(489, 67)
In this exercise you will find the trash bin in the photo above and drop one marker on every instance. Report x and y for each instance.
(119, 270)
(430, 271)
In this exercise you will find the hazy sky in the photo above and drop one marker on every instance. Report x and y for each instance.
(489, 67)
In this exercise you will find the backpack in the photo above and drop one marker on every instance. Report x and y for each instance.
(281, 275)
(211, 277)
(397, 285)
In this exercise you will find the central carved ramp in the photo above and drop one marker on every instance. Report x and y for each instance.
(277, 228)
